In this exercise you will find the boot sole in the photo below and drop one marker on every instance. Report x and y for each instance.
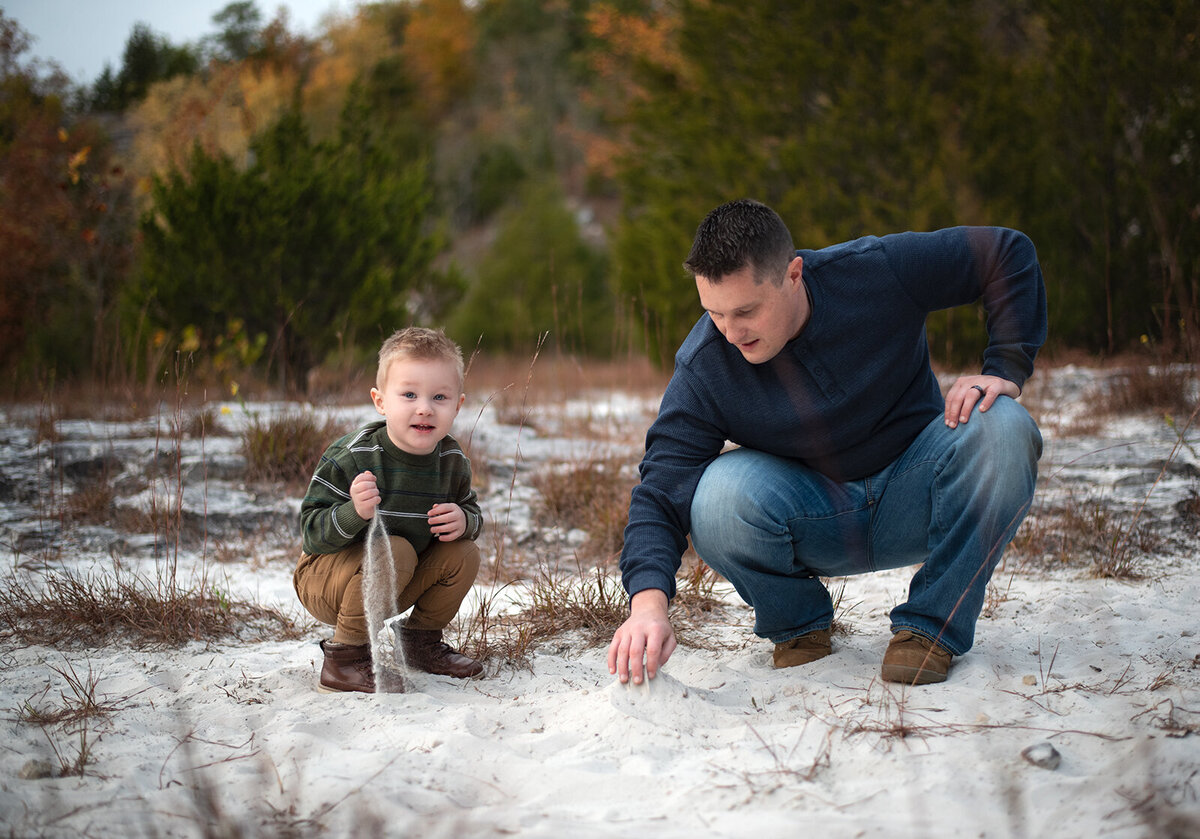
(324, 689)
(911, 675)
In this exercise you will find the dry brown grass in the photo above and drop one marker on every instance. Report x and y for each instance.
(91, 503)
(1170, 389)
(74, 718)
(204, 421)
(591, 495)
(1086, 532)
(84, 704)
(286, 449)
(591, 603)
(556, 378)
(86, 610)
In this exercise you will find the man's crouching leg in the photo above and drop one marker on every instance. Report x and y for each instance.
(740, 526)
(976, 483)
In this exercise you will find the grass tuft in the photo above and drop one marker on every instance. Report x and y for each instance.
(1170, 389)
(592, 603)
(71, 608)
(287, 448)
(1088, 532)
(82, 706)
(92, 503)
(592, 495)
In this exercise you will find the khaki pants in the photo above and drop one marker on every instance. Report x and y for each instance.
(434, 585)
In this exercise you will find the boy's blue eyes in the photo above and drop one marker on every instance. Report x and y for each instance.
(410, 395)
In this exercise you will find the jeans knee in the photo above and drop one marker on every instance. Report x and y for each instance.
(1005, 441)
(734, 509)
(1016, 429)
(997, 466)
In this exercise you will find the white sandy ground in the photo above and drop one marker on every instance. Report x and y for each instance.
(720, 745)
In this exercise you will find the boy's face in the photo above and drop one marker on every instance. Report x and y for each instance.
(420, 399)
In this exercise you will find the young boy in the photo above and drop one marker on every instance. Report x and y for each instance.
(409, 470)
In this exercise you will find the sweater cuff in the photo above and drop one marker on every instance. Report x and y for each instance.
(1011, 372)
(474, 525)
(347, 521)
(649, 578)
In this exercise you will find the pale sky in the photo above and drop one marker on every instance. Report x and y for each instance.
(83, 35)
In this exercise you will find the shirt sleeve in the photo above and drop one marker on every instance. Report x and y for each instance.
(469, 502)
(994, 266)
(680, 445)
(328, 520)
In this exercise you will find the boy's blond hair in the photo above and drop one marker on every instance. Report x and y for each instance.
(418, 342)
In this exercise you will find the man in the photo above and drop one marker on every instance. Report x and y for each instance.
(847, 458)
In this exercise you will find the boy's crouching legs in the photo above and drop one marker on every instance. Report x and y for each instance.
(444, 576)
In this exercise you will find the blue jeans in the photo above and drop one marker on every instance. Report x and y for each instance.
(952, 501)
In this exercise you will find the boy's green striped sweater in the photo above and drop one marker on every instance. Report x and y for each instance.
(409, 484)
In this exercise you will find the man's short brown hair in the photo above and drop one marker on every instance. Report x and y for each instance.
(739, 234)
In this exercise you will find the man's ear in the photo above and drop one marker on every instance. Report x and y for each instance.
(795, 270)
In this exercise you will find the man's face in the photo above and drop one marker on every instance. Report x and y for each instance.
(757, 318)
(420, 399)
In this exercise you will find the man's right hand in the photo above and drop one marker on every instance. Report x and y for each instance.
(646, 634)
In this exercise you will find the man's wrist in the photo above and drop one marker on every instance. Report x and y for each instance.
(649, 599)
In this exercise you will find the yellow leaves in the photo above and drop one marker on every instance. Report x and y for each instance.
(438, 43)
(190, 342)
(78, 158)
(76, 162)
(352, 48)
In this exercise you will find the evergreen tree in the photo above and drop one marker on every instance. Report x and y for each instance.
(315, 246)
(148, 58)
(539, 277)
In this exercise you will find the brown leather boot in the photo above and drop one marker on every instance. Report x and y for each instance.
(915, 660)
(803, 650)
(424, 650)
(347, 667)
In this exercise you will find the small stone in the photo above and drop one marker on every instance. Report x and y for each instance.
(1042, 755)
(1030, 680)
(35, 769)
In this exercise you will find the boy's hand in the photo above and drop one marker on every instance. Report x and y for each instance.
(447, 521)
(365, 495)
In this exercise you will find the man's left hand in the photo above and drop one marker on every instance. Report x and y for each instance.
(975, 391)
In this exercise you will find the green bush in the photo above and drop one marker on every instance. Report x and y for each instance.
(539, 276)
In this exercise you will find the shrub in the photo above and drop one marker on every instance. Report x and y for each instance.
(286, 448)
(593, 496)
